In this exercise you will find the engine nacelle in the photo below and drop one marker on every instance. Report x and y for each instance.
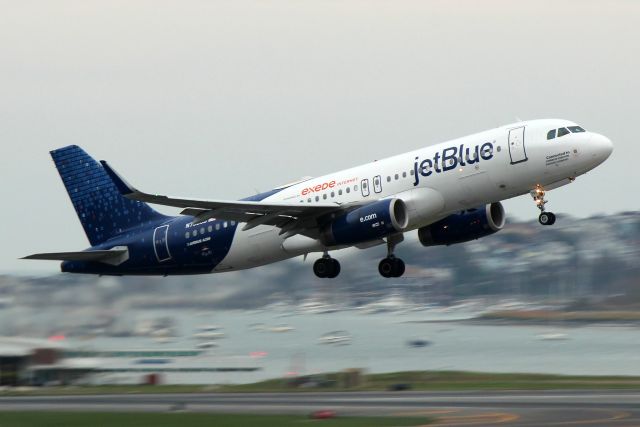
(464, 226)
(369, 222)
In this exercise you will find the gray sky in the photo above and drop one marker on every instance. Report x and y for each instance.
(220, 99)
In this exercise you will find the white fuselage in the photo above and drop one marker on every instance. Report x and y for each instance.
(434, 182)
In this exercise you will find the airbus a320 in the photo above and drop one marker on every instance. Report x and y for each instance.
(449, 193)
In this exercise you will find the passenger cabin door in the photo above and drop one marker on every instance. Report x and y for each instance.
(517, 150)
(161, 243)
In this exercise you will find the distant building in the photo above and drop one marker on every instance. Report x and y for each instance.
(17, 355)
(29, 361)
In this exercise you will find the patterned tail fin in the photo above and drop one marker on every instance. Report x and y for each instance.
(103, 212)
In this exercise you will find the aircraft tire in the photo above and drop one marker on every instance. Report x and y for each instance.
(321, 268)
(547, 218)
(334, 269)
(386, 267)
(398, 267)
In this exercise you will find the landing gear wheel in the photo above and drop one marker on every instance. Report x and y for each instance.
(391, 267)
(326, 268)
(547, 218)
(335, 268)
(386, 267)
(398, 267)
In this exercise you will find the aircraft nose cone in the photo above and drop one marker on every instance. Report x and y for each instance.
(603, 146)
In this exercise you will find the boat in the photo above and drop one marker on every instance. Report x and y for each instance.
(418, 342)
(209, 332)
(553, 336)
(207, 344)
(281, 328)
(335, 337)
(316, 306)
(260, 327)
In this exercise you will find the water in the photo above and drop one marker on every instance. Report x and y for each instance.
(380, 345)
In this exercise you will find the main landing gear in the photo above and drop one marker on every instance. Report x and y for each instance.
(545, 218)
(326, 267)
(392, 266)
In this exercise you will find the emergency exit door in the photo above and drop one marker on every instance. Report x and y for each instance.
(517, 150)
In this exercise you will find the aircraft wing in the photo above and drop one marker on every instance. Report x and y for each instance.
(292, 218)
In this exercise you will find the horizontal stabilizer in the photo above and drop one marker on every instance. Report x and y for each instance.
(114, 256)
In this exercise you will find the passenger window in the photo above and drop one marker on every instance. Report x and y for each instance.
(194, 233)
(340, 192)
(317, 198)
(186, 235)
(324, 196)
(210, 228)
(309, 200)
(388, 179)
(396, 176)
(348, 189)
(404, 174)
(562, 132)
(411, 172)
(218, 226)
(201, 230)
(576, 129)
(233, 223)
(551, 134)
(333, 194)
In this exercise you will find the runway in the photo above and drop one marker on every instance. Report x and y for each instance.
(534, 408)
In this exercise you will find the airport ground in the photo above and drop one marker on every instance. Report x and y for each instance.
(454, 399)
(335, 382)
(478, 408)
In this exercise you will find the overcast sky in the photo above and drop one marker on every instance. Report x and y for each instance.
(220, 99)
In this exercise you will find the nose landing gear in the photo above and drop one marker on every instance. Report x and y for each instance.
(545, 218)
(326, 267)
(392, 266)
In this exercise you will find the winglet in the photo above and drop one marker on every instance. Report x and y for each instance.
(123, 186)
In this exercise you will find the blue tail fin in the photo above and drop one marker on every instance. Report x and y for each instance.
(103, 212)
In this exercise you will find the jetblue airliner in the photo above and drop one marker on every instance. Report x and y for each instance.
(450, 193)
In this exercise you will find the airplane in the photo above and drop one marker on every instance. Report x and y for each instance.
(450, 193)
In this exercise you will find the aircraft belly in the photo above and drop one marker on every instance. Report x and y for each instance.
(259, 246)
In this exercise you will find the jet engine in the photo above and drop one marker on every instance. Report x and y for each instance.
(370, 222)
(463, 226)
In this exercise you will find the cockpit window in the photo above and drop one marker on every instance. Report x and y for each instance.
(576, 129)
(562, 132)
(551, 134)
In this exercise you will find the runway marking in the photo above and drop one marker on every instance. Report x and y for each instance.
(424, 412)
(478, 419)
(617, 416)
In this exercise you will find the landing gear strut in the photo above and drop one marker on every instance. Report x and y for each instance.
(326, 267)
(392, 266)
(545, 218)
